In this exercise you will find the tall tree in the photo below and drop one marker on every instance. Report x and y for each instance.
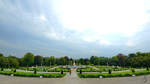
(1, 55)
(52, 60)
(121, 59)
(28, 59)
(38, 60)
(13, 62)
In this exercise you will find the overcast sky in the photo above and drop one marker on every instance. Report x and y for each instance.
(74, 28)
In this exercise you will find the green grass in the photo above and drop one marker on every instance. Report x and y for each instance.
(106, 75)
(30, 74)
(59, 69)
(89, 69)
(106, 68)
(39, 69)
(102, 69)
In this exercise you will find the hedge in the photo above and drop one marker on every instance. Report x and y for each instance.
(30, 74)
(89, 69)
(107, 75)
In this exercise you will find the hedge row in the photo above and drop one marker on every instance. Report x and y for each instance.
(89, 69)
(29, 74)
(107, 75)
(46, 69)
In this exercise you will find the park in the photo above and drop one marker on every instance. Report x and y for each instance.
(37, 69)
(74, 42)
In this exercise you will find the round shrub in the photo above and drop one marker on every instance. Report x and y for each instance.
(80, 71)
(109, 71)
(14, 70)
(35, 71)
(133, 70)
(62, 72)
(2, 69)
(147, 68)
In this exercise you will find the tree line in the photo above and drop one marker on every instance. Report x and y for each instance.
(137, 59)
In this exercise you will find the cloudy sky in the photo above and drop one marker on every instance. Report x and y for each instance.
(74, 28)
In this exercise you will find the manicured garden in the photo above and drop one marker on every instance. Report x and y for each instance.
(109, 75)
(30, 74)
(87, 69)
(46, 69)
(102, 69)
(113, 68)
(59, 69)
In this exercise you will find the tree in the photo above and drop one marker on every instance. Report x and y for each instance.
(52, 60)
(86, 61)
(81, 61)
(28, 59)
(13, 62)
(132, 55)
(121, 59)
(1, 55)
(114, 61)
(2, 61)
(38, 60)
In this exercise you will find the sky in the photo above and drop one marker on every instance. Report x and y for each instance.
(74, 28)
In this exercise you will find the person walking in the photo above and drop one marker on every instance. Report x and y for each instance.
(70, 71)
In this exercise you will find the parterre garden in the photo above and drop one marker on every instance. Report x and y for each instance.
(106, 72)
(36, 72)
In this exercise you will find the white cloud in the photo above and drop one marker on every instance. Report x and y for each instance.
(102, 17)
(94, 52)
(43, 18)
(87, 39)
(54, 35)
(130, 43)
(104, 42)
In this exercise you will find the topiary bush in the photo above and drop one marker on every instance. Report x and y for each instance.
(80, 71)
(109, 71)
(133, 70)
(14, 70)
(35, 71)
(2, 69)
(147, 68)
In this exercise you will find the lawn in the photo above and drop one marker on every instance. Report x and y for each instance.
(107, 75)
(30, 74)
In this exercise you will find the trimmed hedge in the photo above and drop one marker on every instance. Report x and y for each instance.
(107, 75)
(46, 69)
(30, 74)
(89, 69)
(59, 70)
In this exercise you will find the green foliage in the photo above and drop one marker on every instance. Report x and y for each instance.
(107, 75)
(133, 60)
(59, 70)
(28, 59)
(14, 70)
(80, 71)
(106, 68)
(62, 72)
(147, 68)
(2, 69)
(133, 70)
(13, 62)
(88, 69)
(1, 55)
(35, 71)
(109, 71)
(29, 74)
(38, 60)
